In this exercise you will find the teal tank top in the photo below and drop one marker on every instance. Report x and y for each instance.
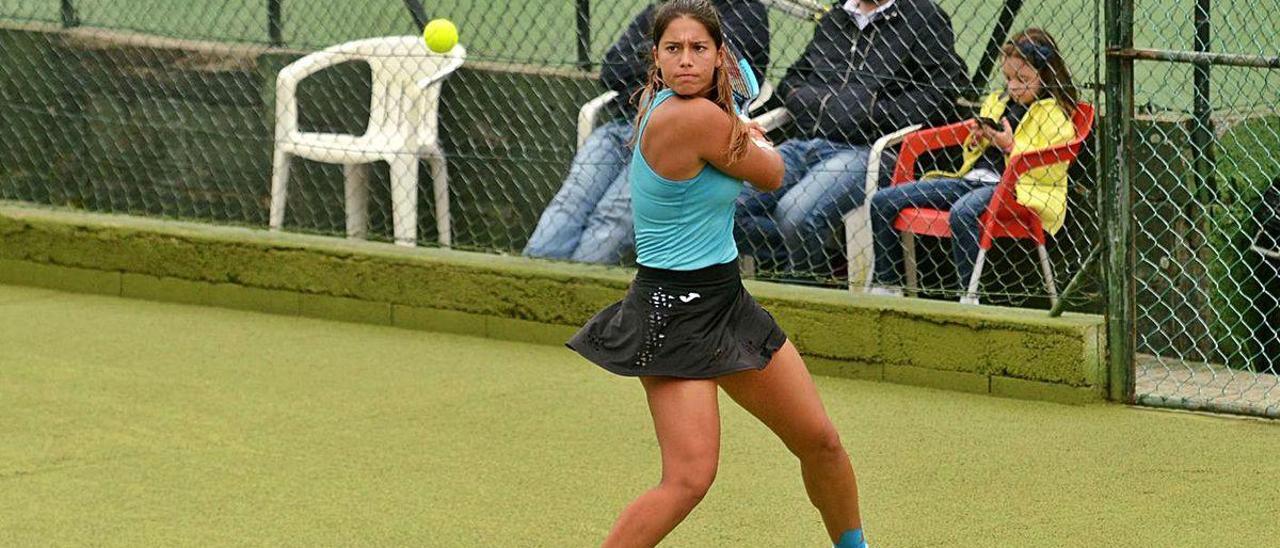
(681, 225)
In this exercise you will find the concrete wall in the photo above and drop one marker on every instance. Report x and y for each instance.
(1003, 351)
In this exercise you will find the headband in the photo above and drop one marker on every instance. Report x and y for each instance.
(1039, 55)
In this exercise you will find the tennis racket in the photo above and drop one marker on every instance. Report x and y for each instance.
(746, 88)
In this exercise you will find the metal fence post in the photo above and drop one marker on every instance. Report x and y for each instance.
(999, 33)
(69, 16)
(584, 34)
(275, 26)
(418, 13)
(1202, 131)
(1117, 203)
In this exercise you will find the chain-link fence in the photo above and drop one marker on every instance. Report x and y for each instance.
(1205, 192)
(293, 114)
(173, 109)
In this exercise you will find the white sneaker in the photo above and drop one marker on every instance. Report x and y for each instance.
(885, 291)
(969, 299)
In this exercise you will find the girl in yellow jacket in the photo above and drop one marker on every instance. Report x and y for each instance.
(1033, 113)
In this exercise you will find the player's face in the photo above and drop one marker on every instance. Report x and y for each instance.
(687, 57)
(1023, 80)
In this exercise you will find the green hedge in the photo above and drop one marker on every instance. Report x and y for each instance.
(1248, 159)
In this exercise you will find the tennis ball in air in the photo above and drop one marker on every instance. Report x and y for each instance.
(440, 35)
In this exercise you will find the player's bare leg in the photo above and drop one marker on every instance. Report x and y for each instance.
(686, 418)
(785, 399)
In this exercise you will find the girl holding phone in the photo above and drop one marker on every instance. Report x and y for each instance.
(1033, 112)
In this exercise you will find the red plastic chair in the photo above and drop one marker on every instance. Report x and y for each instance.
(1004, 218)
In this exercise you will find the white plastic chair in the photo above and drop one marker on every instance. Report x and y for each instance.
(773, 119)
(403, 127)
(858, 246)
(1257, 247)
(590, 110)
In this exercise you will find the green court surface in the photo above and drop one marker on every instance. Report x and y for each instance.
(131, 423)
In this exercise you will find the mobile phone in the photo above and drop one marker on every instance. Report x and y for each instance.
(990, 122)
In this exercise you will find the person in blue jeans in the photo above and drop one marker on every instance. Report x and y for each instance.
(1033, 112)
(589, 219)
(872, 66)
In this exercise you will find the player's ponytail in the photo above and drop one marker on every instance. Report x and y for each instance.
(643, 97)
(738, 136)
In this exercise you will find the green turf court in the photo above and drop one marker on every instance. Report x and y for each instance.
(131, 423)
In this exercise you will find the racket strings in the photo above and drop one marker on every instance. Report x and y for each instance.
(741, 80)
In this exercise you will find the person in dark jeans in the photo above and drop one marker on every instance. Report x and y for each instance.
(589, 219)
(872, 66)
(1034, 112)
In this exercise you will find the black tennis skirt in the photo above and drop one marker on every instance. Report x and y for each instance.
(693, 324)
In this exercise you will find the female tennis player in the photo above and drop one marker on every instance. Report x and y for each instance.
(687, 325)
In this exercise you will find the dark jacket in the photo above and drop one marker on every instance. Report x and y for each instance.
(626, 64)
(852, 86)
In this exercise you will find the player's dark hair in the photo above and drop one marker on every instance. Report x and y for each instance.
(704, 13)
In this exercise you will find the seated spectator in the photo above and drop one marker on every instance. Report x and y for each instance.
(1033, 112)
(589, 219)
(870, 68)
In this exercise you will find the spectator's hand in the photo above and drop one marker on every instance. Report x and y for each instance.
(1002, 139)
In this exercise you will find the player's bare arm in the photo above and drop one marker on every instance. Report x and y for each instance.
(690, 132)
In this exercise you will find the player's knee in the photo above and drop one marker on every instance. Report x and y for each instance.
(823, 445)
(691, 485)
